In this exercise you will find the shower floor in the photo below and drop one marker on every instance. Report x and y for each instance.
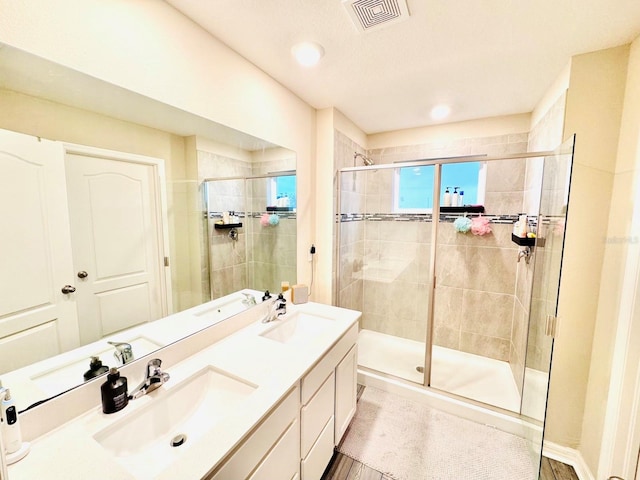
(479, 378)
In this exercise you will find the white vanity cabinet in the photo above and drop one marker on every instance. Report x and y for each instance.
(346, 392)
(328, 397)
(296, 441)
(272, 450)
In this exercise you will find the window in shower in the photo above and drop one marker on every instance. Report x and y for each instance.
(279, 187)
(469, 177)
(413, 189)
(413, 186)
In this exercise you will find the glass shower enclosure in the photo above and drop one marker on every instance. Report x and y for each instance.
(251, 232)
(450, 299)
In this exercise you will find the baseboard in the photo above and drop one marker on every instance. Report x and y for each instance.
(569, 456)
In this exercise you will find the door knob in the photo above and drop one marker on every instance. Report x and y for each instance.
(68, 289)
(82, 274)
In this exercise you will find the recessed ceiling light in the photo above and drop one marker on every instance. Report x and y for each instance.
(440, 112)
(307, 53)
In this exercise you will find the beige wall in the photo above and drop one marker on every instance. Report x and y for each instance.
(444, 133)
(605, 412)
(593, 112)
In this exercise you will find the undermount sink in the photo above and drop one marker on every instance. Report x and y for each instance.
(145, 442)
(297, 328)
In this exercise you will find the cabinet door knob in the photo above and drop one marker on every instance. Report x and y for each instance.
(68, 289)
(82, 274)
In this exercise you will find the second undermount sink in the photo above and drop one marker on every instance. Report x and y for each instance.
(297, 328)
(147, 441)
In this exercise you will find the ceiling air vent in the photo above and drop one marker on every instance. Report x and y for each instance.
(368, 15)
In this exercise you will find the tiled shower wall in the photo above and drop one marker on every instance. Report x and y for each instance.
(271, 254)
(351, 245)
(227, 258)
(385, 262)
(528, 343)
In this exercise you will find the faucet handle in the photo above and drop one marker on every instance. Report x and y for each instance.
(249, 299)
(281, 305)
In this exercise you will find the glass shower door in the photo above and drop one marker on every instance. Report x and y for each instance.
(384, 231)
(556, 180)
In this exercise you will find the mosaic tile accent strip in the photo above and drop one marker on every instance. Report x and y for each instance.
(285, 215)
(426, 217)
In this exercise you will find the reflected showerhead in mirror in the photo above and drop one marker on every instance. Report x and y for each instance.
(365, 160)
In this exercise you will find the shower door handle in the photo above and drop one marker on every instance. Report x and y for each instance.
(550, 326)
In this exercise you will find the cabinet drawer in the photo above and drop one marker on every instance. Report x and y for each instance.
(320, 455)
(316, 414)
(261, 440)
(282, 460)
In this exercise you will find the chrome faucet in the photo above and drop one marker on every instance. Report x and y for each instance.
(249, 300)
(276, 308)
(154, 378)
(123, 353)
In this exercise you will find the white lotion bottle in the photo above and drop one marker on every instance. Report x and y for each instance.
(454, 197)
(461, 199)
(11, 434)
(4, 474)
(447, 198)
(523, 225)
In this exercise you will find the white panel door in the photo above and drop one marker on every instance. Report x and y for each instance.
(116, 235)
(37, 320)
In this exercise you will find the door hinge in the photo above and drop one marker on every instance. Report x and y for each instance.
(551, 325)
(166, 261)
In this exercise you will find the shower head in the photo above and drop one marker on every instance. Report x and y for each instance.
(366, 160)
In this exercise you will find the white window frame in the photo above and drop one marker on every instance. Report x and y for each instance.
(482, 187)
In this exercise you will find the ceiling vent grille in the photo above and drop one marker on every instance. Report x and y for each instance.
(368, 15)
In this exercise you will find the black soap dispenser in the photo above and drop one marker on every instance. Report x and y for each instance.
(96, 368)
(114, 392)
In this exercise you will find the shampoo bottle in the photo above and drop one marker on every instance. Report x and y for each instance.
(461, 199)
(447, 198)
(524, 225)
(454, 197)
(114, 392)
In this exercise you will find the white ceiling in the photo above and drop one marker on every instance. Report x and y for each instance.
(484, 57)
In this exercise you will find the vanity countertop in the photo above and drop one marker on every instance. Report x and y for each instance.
(71, 451)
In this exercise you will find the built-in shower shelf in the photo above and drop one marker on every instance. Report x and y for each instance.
(279, 209)
(465, 209)
(526, 241)
(226, 226)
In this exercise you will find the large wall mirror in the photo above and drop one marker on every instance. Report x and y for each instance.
(125, 220)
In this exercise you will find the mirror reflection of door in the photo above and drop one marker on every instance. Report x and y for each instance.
(37, 320)
(116, 243)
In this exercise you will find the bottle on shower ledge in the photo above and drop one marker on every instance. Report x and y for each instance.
(454, 197)
(447, 198)
(461, 199)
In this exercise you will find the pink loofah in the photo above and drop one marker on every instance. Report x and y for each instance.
(264, 220)
(480, 226)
